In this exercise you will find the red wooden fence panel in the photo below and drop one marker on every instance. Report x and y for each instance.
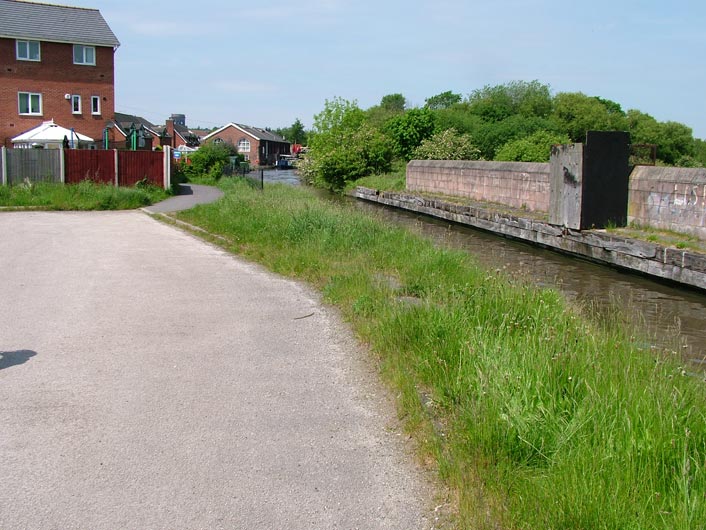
(134, 166)
(89, 164)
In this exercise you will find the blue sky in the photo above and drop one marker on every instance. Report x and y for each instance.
(266, 64)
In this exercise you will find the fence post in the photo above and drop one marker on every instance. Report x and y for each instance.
(3, 164)
(167, 167)
(117, 182)
(62, 166)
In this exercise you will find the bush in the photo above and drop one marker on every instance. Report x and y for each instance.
(209, 160)
(407, 131)
(533, 148)
(359, 153)
(447, 145)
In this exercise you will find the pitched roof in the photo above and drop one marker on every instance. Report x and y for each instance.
(124, 121)
(49, 131)
(54, 23)
(255, 132)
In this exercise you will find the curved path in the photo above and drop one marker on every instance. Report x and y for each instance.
(189, 196)
(151, 380)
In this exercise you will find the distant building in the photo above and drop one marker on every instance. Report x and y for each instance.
(57, 63)
(259, 146)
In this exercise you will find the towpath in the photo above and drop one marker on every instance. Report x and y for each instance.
(151, 380)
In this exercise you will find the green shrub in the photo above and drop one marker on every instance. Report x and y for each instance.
(447, 145)
(533, 148)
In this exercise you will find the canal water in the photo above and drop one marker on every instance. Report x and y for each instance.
(671, 317)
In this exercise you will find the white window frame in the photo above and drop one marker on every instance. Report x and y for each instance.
(80, 49)
(37, 112)
(95, 105)
(28, 55)
(75, 104)
(243, 145)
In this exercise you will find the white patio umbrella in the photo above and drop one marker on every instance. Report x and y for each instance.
(49, 134)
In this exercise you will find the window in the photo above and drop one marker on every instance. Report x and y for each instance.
(84, 54)
(75, 104)
(95, 105)
(30, 103)
(28, 50)
(218, 141)
(244, 145)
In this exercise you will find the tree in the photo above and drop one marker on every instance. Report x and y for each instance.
(442, 101)
(495, 103)
(295, 133)
(408, 130)
(362, 151)
(576, 113)
(533, 148)
(491, 136)
(393, 102)
(339, 114)
(448, 144)
(675, 141)
(343, 147)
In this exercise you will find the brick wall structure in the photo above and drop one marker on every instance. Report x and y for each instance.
(516, 184)
(53, 77)
(233, 136)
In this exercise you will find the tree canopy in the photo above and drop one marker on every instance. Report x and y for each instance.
(519, 120)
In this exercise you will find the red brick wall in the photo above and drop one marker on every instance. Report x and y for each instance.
(54, 76)
(233, 136)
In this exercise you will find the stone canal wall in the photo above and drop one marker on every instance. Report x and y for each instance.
(681, 266)
(669, 198)
(659, 197)
(517, 184)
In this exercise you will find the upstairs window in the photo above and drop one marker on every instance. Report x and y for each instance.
(95, 105)
(28, 50)
(84, 54)
(29, 103)
(75, 104)
(244, 145)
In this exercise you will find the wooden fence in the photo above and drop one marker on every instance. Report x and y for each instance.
(120, 168)
(31, 164)
(98, 166)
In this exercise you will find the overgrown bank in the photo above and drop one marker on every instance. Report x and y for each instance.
(86, 195)
(538, 416)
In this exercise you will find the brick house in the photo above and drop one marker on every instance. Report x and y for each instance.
(121, 127)
(259, 146)
(56, 63)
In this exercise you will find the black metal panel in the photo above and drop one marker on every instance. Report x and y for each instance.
(605, 179)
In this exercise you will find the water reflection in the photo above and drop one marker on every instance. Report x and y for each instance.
(282, 176)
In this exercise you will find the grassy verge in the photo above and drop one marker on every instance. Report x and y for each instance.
(83, 196)
(537, 415)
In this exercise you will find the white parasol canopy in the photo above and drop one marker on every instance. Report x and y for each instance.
(49, 134)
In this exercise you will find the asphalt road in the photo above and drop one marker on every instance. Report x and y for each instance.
(190, 195)
(149, 380)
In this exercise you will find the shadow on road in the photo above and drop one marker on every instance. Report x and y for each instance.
(13, 358)
(185, 189)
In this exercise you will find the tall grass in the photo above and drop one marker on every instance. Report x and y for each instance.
(538, 414)
(83, 196)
